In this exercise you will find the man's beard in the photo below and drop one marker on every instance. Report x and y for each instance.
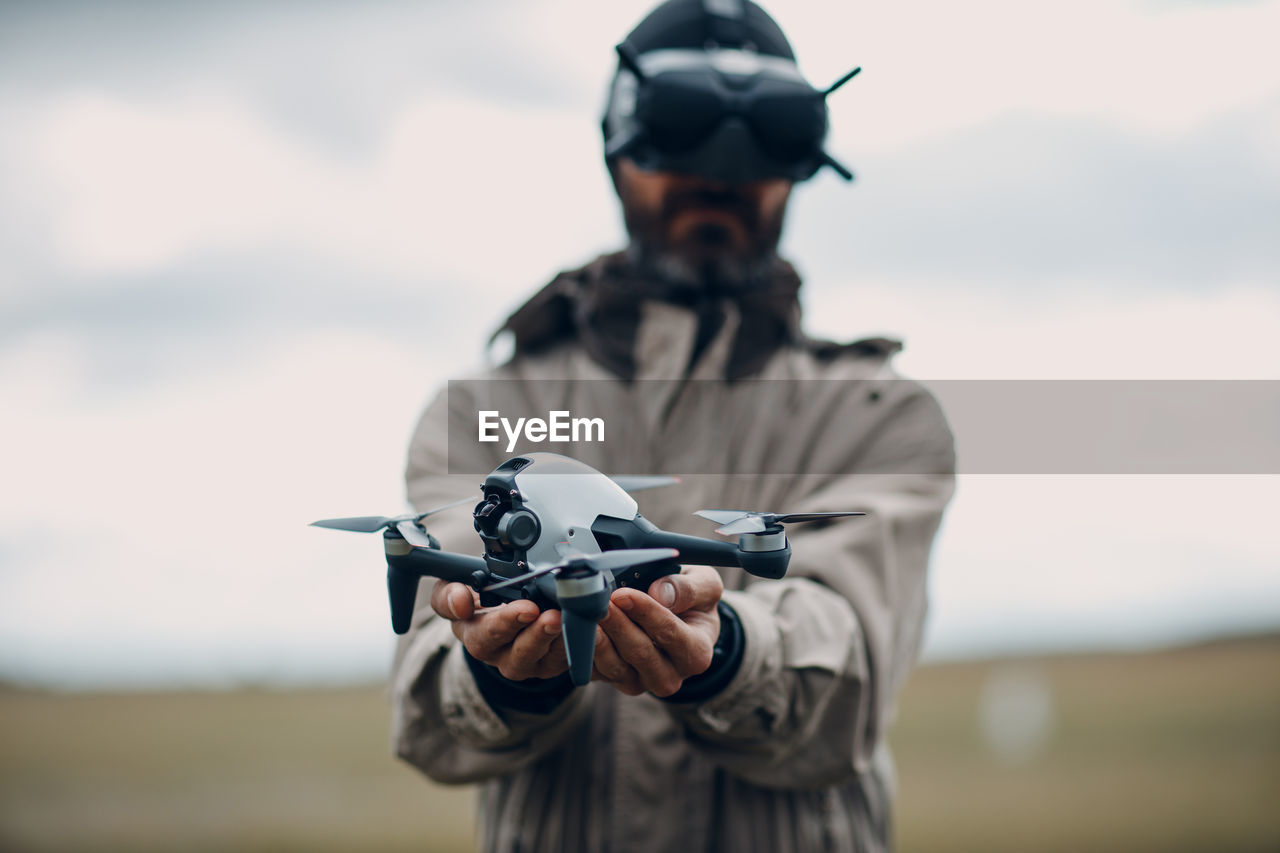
(709, 254)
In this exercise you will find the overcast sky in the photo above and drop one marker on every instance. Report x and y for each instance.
(241, 244)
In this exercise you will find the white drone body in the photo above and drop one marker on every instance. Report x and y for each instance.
(568, 496)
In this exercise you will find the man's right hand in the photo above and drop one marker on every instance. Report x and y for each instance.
(515, 637)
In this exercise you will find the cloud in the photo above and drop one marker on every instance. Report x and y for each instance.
(1031, 563)
(191, 322)
(1028, 200)
(140, 187)
(241, 244)
(332, 72)
(958, 330)
(171, 522)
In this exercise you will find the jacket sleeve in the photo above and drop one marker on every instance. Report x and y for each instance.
(440, 721)
(828, 647)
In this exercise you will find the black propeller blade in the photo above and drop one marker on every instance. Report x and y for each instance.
(613, 561)
(412, 533)
(609, 561)
(735, 521)
(374, 523)
(640, 482)
(360, 524)
(583, 596)
(442, 508)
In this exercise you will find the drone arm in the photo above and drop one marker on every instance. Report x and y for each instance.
(407, 564)
(445, 565)
(694, 550)
(641, 533)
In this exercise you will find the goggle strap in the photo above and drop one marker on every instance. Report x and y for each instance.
(845, 79)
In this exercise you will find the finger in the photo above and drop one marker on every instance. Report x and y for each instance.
(524, 658)
(617, 672)
(688, 646)
(453, 600)
(636, 648)
(488, 634)
(613, 669)
(695, 588)
(556, 660)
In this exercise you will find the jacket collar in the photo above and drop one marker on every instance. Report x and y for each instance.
(611, 310)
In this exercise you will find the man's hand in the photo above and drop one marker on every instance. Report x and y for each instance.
(654, 642)
(517, 639)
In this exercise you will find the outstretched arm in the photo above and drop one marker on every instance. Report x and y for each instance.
(824, 651)
(462, 709)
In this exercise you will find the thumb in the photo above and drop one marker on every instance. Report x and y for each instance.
(453, 601)
(695, 588)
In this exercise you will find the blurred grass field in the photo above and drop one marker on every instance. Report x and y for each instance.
(1175, 750)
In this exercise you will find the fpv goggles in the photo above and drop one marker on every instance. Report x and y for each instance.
(726, 115)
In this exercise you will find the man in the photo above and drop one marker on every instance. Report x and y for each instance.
(726, 712)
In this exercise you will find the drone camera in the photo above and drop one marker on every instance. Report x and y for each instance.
(519, 528)
(506, 526)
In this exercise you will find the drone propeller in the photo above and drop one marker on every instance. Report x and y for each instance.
(640, 482)
(360, 524)
(735, 521)
(609, 561)
(413, 534)
(374, 523)
(405, 570)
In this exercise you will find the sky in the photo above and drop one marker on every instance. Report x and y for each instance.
(241, 245)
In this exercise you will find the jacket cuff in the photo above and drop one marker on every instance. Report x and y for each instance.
(470, 718)
(726, 660)
(465, 711)
(532, 696)
(755, 684)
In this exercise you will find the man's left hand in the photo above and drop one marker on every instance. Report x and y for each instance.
(654, 642)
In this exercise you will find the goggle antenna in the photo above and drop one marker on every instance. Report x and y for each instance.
(828, 160)
(836, 85)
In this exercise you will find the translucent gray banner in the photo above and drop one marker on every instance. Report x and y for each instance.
(881, 426)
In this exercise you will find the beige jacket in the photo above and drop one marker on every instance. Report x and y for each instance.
(791, 754)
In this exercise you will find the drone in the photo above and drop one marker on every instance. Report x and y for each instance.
(562, 534)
